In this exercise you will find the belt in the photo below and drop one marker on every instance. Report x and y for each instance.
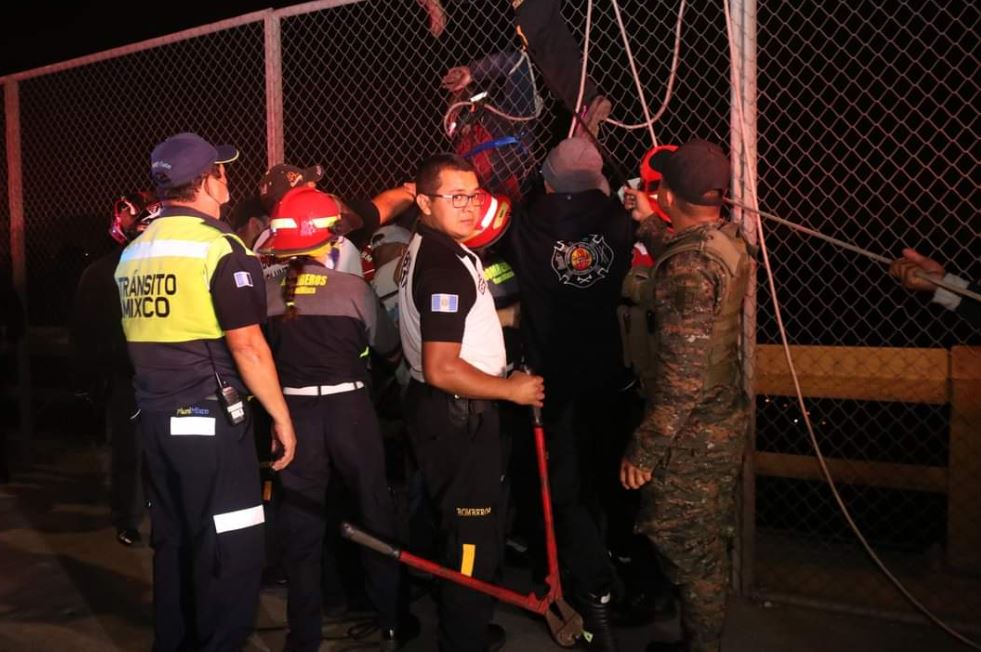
(323, 390)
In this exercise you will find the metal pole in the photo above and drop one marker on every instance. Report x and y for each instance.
(18, 264)
(743, 149)
(275, 148)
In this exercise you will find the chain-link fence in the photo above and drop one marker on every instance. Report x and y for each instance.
(86, 133)
(867, 130)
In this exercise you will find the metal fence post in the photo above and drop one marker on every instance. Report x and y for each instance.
(18, 264)
(275, 148)
(743, 154)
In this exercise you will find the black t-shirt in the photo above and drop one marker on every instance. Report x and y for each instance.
(443, 291)
(443, 297)
(571, 252)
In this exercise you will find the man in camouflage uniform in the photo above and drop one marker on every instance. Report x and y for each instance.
(689, 448)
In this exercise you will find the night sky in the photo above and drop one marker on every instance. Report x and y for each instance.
(41, 33)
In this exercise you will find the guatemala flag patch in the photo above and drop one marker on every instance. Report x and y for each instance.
(444, 302)
(243, 279)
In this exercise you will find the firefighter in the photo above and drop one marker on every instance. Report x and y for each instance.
(322, 323)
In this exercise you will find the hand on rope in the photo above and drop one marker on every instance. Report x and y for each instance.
(926, 276)
(908, 271)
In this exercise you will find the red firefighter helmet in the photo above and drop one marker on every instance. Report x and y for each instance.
(301, 222)
(131, 214)
(650, 174)
(495, 216)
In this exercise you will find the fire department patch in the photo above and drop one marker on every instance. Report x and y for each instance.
(581, 264)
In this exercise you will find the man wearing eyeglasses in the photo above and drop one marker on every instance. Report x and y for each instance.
(452, 340)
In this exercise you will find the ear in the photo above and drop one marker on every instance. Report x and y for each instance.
(425, 204)
(665, 197)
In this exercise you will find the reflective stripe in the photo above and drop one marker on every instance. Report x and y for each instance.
(489, 213)
(323, 390)
(290, 223)
(239, 519)
(324, 222)
(165, 248)
(204, 426)
(466, 564)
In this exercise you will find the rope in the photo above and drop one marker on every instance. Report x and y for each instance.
(539, 104)
(738, 102)
(633, 68)
(582, 75)
(849, 246)
(492, 109)
(671, 78)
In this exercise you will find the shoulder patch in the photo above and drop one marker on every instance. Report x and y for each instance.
(444, 303)
(243, 279)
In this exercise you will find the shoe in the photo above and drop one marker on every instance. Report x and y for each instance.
(598, 110)
(128, 536)
(597, 623)
(393, 639)
(496, 636)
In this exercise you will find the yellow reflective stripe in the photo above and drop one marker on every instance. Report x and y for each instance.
(283, 223)
(324, 222)
(469, 554)
(367, 350)
(165, 249)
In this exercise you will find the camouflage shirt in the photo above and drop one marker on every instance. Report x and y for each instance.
(688, 289)
(653, 233)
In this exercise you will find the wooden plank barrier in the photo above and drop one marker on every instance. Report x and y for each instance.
(964, 464)
(931, 376)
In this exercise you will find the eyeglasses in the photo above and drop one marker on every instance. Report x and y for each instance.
(461, 200)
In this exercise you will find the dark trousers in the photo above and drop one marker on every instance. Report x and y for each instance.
(126, 487)
(584, 443)
(336, 432)
(458, 447)
(553, 49)
(207, 536)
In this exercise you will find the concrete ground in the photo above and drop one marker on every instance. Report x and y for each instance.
(65, 584)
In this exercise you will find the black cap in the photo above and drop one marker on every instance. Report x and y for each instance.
(697, 168)
(280, 179)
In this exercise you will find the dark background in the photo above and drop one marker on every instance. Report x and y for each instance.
(40, 33)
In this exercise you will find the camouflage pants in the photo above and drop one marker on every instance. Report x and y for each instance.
(689, 514)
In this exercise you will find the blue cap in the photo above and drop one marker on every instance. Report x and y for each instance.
(181, 159)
